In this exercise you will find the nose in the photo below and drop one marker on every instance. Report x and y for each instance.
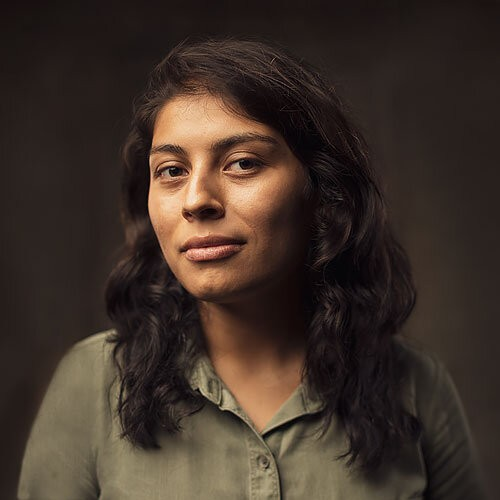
(203, 198)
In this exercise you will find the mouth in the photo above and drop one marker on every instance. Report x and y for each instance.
(212, 253)
(212, 247)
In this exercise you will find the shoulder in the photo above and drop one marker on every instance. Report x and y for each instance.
(433, 398)
(72, 423)
(422, 365)
(98, 345)
(447, 445)
(426, 380)
(93, 353)
(88, 361)
(79, 392)
(80, 387)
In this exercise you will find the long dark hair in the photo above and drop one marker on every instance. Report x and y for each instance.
(360, 287)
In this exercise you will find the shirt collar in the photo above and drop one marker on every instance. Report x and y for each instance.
(303, 401)
(204, 379)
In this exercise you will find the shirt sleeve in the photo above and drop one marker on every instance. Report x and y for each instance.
(447, 445)
(60, 457)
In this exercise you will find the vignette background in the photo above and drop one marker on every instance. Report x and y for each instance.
(422, 80)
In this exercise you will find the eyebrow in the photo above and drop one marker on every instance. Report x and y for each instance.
(217, 146)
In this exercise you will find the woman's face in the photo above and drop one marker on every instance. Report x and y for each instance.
(226, 200)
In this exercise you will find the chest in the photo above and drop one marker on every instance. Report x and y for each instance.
(219, 456)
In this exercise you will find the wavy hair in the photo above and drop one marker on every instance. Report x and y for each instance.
(360, 286)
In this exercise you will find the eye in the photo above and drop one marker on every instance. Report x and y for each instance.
(244, 164)
(170, 172)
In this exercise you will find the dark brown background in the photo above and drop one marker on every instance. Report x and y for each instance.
(423, 81)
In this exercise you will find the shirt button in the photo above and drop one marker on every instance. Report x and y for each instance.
(263, 462)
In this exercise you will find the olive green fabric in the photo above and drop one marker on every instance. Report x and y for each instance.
(75, 451)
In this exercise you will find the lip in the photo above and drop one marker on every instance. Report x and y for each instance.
(211, 247)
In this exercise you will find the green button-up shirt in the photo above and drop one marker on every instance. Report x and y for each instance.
(75, 451)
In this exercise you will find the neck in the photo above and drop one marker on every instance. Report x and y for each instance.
(265, 332)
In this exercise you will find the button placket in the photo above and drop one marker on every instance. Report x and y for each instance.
(263, 462)
(264, 473)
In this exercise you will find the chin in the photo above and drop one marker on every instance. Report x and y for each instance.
(217, 292)
(208, 293)
(223, 285)
(208, 288)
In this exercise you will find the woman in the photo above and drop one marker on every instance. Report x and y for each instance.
(255, 309)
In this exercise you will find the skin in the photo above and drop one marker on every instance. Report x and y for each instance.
(216, 172)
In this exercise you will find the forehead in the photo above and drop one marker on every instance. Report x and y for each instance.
(198, 117)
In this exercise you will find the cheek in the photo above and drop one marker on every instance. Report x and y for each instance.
(278, 219)
(162, 216)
